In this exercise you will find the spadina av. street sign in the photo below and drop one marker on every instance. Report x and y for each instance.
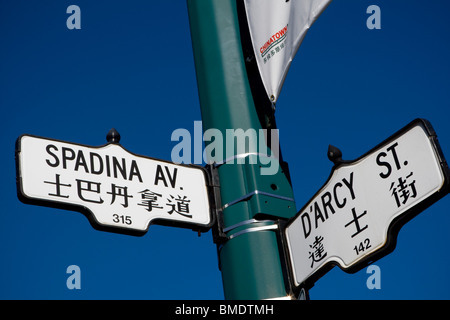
(355, 217)
(117, 190)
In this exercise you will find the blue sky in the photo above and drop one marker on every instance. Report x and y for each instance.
(131, 67)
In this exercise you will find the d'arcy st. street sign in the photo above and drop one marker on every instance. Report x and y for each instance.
(118, 191)
(353, 219)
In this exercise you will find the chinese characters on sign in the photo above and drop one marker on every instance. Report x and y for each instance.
(118, 188)
(350, 218)
(317, 252)
(402, 191)
(402, 188)
(89, 191)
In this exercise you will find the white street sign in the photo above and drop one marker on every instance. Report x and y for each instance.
(353, 219)
(116, 189)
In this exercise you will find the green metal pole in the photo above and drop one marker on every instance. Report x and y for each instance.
(250, 259)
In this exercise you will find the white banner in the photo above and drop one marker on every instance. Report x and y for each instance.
(277, 28)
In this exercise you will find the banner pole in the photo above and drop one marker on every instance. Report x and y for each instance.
(252, 203)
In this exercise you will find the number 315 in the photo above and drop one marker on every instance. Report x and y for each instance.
(122, 219)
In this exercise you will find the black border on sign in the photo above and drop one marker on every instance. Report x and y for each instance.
(86, 212)
(395, 225)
